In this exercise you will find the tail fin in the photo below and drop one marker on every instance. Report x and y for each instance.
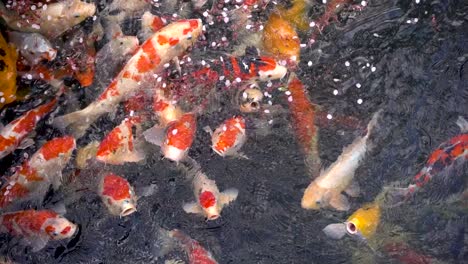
(76, 123)
(463, 124)
(164, 242)
(373, 121)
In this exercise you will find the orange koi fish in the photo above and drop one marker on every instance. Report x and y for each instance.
(209, 201)
(44, 168)
(303, 114)
(8, 57)
(36, 228)
(196, 253)
(13, 135)
(119, 145)
(117, 195)
(229, 137)
(176, 140)
(164, 45)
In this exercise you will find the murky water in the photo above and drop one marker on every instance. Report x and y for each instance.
(405, 58)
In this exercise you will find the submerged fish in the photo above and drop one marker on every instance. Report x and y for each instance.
(43, 169)
(13, 135)
(166, 44)
(51, 21)
(325, 191)
(117, 194)
(229, 137)
(33, 46)
(165, 110)
(280, 38)
(36, 228)
(196, 253)
(209, 201)
(8, 57)
(120, 146)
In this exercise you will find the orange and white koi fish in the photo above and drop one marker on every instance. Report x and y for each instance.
(36, 228)
(51, 21)
(196, 253)
(209, 200)
(166, 44)
(117, 194)
(13, 135)
(175, 140)
(325, 191)
(445, 156)
(33, 46)
(44, 168)
(150, 24)
(119, 146)
(229, 137)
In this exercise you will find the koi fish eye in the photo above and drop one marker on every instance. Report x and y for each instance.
(50, 230)
(351, 228)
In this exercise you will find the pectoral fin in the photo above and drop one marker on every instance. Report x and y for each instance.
(353, 189)
(339, 202)
(37, 243)
(335, 231)
(26, 143)
(155, 135)
(228, 196)
(192, 208)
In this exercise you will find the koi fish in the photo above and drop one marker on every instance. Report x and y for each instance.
(51, 21)
(117, 194)
(169, 42)
(13, 135)
(175, 140)
(8, 57)
(119, 145)
(280, 38)
(325, 191)
(446, 155)
(229, 137)
(34, 176)
(36, 228)
(249, 100)
(165, 109)
(150, 24)
(303, 114)
(196, 253)
(33, 46)
(208, 200)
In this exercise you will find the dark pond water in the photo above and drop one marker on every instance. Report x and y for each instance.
(409, 59)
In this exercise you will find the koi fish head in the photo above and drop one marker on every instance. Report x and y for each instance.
(58, 147)
(59, 228)
(118, 195)
(314, 197)
(179, 137)
(269, 69)
(229, 137)
(250, 100)
(165, 109)
(76, 11)
(209, 205)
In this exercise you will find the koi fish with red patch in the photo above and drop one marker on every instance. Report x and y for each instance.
(445, 156)
(176, 139)
(209, 200)
(303, 114)
(44, 168)
(36, 228)
(229, 137)
(120, 146)
(12, 136)
(117, 194)
(164, 45)
(196, 253)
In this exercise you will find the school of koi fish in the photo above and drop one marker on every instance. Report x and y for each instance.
(119, 119)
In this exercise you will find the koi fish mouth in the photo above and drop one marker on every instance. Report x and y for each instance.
(128, 210)
(213, 217)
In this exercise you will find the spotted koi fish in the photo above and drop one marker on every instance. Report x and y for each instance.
(119, 145)
(36, 228)
(209, 200)
(12, 135)
(175, 140)
(229, 137)
(117, 194)
(44, 168)
(303, 113)
(448, 152)
(196, 253)
(164, 45)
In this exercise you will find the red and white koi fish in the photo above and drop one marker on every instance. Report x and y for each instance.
(33, 46)
(36, 228)
(44, 168)
(175, 140)
(446, 155)
(51, 21)
(13, 135)
(196, 253)
(119, 146)
(229, 137)
(209, 200)
(303, 114)
(166, 44)
(325, 191)
(117, 194)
